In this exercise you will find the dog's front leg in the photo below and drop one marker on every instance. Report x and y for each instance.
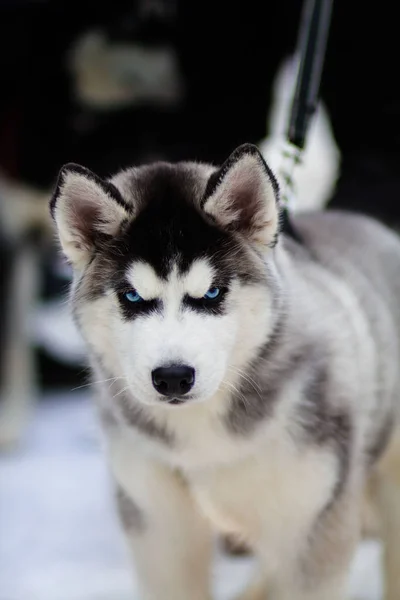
(169, 539)
(321, 570)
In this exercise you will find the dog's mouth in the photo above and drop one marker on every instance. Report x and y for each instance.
(179, 401)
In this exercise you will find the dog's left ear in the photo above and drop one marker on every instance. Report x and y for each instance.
(87, 210)
(243, 196)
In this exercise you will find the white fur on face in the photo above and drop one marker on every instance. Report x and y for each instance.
(175, 334)
(195, 283)
(199, 279)
(145, 281)
(218, 347)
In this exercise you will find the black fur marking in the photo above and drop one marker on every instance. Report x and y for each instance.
(287, 227)
(130, 514)
(171, 229)
(105, 185)
(204, 305)
(130, 310)
(324, 424)
(274, 241)
(243, 150)
(135, 416)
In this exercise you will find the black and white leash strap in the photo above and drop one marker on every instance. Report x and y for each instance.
(313, 37)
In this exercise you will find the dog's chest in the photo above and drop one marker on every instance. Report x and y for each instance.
(265, 493)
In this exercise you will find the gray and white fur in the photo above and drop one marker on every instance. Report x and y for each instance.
(247, 383)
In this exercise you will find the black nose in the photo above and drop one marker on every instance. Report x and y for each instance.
(175, 380)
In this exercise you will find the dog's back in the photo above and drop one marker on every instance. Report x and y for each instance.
(364, 256)
(361, 251)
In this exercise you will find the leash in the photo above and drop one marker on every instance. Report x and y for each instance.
(312, 40)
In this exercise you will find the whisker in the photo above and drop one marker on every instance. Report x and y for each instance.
(236, 393)
(121, 391)
(249, 380)
(85, 385)
(245, 376)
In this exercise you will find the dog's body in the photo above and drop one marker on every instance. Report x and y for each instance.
(244, 380)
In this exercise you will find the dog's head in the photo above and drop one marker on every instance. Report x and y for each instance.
(174, 272)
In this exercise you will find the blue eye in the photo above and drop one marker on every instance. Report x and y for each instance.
(133, 296)
(212, 293)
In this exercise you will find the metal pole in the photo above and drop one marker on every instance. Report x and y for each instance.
(313, 37)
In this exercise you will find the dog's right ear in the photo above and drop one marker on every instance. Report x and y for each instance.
(85, 209)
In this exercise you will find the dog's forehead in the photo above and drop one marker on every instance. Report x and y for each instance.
(169, 229)
(143, 185)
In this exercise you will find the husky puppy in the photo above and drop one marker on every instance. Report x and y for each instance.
(247, 383)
